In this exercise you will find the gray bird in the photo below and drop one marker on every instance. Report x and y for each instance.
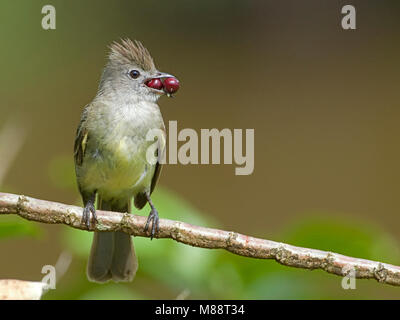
(110, 153)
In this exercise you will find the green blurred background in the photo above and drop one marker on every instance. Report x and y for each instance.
(324, 104)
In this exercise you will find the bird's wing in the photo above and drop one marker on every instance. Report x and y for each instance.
(160, 154)
(140, 198)
(81, 139)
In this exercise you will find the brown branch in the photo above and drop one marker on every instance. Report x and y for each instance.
(288, 255)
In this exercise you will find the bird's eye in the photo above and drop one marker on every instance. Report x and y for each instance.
(134, 74)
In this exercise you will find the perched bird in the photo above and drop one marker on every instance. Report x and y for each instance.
(110, 153)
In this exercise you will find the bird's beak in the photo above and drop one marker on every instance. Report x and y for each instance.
(160, 75)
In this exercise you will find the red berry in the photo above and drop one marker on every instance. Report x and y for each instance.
(171, 85)
(155, 84)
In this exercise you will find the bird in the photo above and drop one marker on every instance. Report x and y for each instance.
(110, 153)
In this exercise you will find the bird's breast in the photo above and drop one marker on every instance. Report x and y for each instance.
(116, 163)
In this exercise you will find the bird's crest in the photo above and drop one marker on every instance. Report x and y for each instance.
(129, 51)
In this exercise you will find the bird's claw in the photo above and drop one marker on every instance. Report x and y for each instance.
(89, 208)
(155, 227)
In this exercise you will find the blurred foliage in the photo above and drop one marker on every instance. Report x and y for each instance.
(346, 236)
(13, 226)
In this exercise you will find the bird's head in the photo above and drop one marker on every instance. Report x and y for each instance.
(131, 71)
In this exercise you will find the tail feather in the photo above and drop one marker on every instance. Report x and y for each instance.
(112, 256)
(124, 264)
(101, 255)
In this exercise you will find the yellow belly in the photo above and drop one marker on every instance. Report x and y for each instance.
(121, 173)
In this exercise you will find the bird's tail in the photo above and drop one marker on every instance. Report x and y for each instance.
(112, 256)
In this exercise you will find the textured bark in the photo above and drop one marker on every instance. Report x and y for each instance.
(57, 213)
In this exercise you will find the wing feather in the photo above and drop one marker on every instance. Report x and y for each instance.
(81, 140)
(140, 198)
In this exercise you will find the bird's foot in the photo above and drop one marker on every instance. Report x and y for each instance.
(89, 208)
(155, 227)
